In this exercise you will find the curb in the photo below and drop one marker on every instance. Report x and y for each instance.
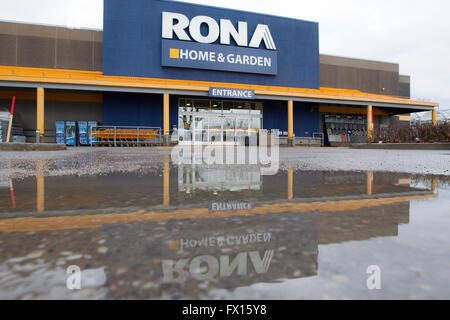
(32, 147)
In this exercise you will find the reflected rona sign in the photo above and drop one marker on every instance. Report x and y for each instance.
(200, 51)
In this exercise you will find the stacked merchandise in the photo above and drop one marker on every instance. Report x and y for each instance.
(343, 130)
(4, 122)
(16, 130)
(17, 127)
(3, 129)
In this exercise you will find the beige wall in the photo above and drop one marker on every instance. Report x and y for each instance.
(37, 46)
(364, 75)
(27, 45)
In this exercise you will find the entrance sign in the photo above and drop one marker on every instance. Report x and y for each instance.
(231, 93)
(197, 49)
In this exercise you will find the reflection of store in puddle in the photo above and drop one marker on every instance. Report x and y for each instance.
(196, 257)
(204, 255)
(9, 185)
(190, 252)
(186, 186)
(216, 178)
(257, 251)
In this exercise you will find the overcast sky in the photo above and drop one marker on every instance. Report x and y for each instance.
(413, 33)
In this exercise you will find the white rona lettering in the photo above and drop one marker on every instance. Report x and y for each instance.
(195, 27)
(228, 31)
(249, 60)
(177, 23)
(170, 27)
(195, 55)
(262, 33)
(210, 56)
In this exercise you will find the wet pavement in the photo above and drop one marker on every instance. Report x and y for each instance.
(101, 161)
(225, 232)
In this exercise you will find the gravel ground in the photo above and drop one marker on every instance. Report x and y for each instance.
(92, 161)
(435, 162)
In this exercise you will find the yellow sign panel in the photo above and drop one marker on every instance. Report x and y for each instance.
(175, 53)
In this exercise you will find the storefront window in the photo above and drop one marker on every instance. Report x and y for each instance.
(216, 106)
(343, 129)
(242, 125)
(229, 126)
(201, 126)
(202, 105)
(215, 121)
(215, 129)
(186, 105)
(228, 106)
(255, 124)
(184, 127)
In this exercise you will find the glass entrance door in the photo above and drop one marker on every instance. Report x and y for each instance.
(200, 130)
(185, 128)
(242, 130)
(215, 130)
(210, 122)
(229, 130)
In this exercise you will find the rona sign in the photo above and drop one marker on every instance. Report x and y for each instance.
(176, 23)
(204, 43)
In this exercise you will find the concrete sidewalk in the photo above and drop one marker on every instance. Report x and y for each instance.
(402, 146)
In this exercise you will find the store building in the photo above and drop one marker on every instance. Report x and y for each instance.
(212, 75)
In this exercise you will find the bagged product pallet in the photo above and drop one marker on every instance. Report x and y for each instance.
(3, 130)
(17, 128)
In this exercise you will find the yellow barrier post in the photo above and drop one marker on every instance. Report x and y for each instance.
(434, 117)
(290, 122)
(40, 111)
(166, 128)
(290, 184)
(369, 183)
(40, 187)
(166, 183)
(434, 185)
(40, 197)
(369, 123)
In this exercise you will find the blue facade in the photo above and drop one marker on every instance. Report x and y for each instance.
(132, 40)
(132, 46)
(306, 117)
(137, 109)
(145, 110)
(130, 109)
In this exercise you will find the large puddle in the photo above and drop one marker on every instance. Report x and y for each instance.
(225, 233)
